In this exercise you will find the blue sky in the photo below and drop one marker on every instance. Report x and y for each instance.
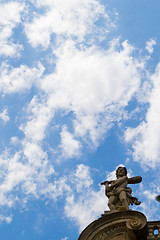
(80, 92)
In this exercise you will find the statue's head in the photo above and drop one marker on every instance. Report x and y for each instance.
(121, 171)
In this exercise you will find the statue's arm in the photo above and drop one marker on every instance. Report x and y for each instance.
(134, 180)
(106, 187)
(119, 181)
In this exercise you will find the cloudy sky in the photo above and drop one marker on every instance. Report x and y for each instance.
(80, 95)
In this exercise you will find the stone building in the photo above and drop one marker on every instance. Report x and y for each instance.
(121, 223)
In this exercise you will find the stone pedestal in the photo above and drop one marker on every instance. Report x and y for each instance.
(120, 225)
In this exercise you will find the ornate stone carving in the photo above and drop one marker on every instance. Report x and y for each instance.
(112, 230)
(119, 236)
(101, 236)
(134, 224)
(130, 225)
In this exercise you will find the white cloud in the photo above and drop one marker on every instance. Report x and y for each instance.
(29, 169)
(14, 140)
(146, 137)
(70, 146)
(81, 178)
(4, 115)
(10, 17)
(17, 172)
(39, 113)
(22, 179)
(95, 85)
(24, 175)
(89, 83)
(69, 18)
(84, 204)
(18, 79)
(59, 188)
(13, 172)
(149, 45)
(7, 219)
(34, 153)
(147, 194)
(86, 208)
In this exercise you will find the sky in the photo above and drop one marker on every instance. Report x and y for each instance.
(79, 96)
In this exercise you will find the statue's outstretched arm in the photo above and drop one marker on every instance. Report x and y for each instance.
(134, 180)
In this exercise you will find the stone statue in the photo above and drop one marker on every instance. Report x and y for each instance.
(158, 198)
(118, 193)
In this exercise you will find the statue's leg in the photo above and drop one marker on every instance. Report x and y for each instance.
(111, 202)
(123, 199)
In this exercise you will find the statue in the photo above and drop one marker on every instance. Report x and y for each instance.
(118, 193)
(158, 198)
